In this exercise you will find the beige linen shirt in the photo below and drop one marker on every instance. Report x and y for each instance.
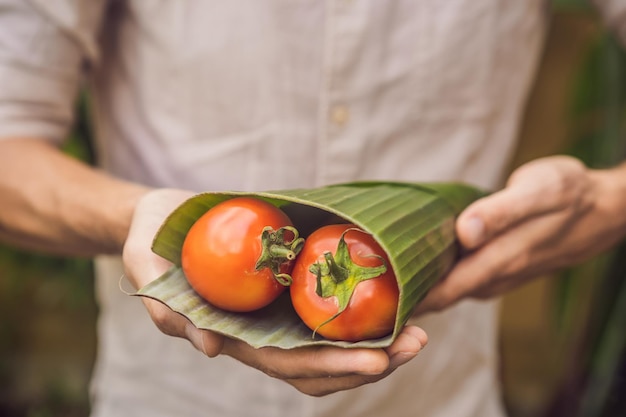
(254, 95)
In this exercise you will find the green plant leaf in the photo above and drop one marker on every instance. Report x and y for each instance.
(414, 224)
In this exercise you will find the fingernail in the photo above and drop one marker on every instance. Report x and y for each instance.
(400, 358)
(475, 231)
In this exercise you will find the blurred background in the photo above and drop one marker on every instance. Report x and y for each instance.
(563, 338)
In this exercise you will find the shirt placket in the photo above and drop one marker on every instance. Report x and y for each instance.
(338, 154)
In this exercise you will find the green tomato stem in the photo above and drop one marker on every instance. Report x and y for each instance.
(277, 249)
(338, 275)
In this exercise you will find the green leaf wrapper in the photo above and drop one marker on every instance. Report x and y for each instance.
(414, 224)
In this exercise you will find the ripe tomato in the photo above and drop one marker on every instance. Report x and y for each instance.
(344, 291)
(239, 254)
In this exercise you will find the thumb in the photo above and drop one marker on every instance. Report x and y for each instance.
(536, 188)
(531, 191)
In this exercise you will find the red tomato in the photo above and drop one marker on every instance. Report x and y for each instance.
(231, 262)
(370, 310)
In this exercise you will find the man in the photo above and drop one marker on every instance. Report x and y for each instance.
(202, 96)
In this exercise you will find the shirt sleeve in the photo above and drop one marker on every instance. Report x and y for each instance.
(44, 48)
(614, 14)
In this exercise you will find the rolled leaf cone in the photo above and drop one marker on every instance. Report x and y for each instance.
(413, 222)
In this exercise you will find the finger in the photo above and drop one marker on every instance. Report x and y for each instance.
(319, 387)
(506, 262)
(497, 213)
(406, 346)
(309, 362)
(533, 190)
(207, 342)
(447, 292)
(174, 324)
(473, 272)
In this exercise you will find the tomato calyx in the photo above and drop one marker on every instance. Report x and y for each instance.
(277, 250)
(338, 275)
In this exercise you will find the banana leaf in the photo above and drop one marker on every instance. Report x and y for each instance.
(413, 223)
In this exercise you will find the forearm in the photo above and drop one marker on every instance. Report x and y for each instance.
(54, 203)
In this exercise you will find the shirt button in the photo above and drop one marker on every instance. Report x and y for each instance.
(339, 114)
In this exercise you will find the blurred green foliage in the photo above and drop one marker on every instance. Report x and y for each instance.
(47, 311)
(591, 301)
(570, 5)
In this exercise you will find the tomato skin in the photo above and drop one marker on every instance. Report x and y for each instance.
(221, 249)
(372, 308)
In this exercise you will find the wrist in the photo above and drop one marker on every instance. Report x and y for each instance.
(121, 215)
(611, 197)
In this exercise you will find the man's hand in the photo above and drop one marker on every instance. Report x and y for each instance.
(553, 213)
(313, 370)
